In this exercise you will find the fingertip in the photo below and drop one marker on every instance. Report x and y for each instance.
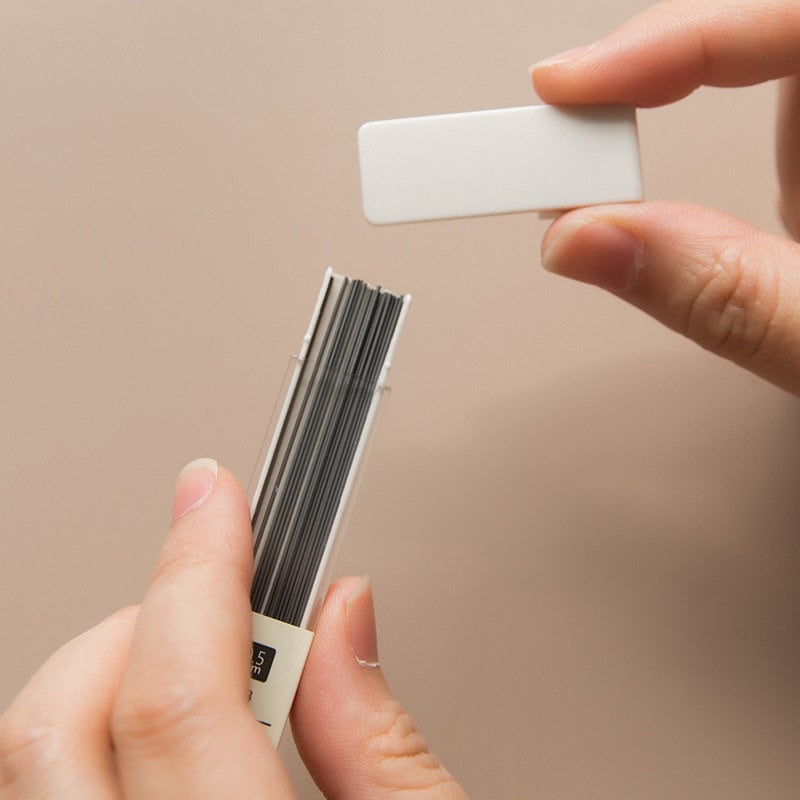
(194, 485)
(552, 77)
(209, 498)
(594, 251)
(346, 628)
(556, 226)
(362, 632)
(341, 589)
(234, 496)
(561, 58)
(335, 681)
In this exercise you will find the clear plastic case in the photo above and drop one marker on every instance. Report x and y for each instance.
(308, 471)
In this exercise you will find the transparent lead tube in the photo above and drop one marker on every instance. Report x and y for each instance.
(304, 487)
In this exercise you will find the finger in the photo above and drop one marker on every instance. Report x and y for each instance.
(55, 739)
(730, 287)
(789, 153)
(354, 737)
(182, 725)
(670, 49)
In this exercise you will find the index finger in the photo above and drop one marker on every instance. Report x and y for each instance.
(672, 48)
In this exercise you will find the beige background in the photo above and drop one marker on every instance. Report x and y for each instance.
(582, 530)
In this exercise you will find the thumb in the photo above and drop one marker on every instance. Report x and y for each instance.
(716, 279)
(354, 737)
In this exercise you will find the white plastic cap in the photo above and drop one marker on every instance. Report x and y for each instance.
(532, 158)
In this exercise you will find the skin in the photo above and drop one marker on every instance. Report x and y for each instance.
(122, 711)
(716, 279)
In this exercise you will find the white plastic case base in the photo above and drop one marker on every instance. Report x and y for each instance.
(531, 158)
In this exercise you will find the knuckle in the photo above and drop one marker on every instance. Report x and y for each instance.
(405, 764)
(27, 748)
(733, 305)
(164, 713)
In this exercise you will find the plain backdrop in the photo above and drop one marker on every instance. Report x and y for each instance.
(581, 529)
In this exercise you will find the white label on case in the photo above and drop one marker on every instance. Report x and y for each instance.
(278, 657)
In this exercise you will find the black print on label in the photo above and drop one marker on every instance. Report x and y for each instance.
(261, 661)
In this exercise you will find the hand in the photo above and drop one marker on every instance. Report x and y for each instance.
(723, 283)
(152, 703)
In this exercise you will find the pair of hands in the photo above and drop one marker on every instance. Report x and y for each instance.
(152, 703)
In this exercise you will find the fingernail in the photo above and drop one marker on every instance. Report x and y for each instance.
(361, 630)
(194, 484)
(598, 253)
(561, 58)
